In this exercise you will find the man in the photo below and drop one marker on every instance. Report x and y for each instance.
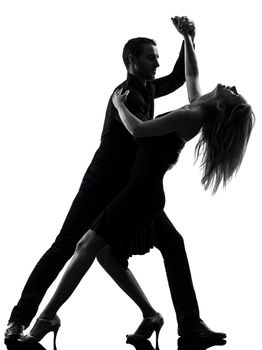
(104, 179)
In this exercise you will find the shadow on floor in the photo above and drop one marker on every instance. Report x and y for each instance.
(183, 343)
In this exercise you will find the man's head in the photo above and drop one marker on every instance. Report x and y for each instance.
(140, 57)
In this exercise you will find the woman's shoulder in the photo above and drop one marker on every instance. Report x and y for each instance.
(186, 107)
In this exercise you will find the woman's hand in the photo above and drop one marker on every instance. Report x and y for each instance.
(119, 98)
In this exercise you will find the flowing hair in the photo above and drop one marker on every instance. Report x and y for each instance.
(223, 141)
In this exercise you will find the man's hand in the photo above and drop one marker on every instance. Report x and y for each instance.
(184, 26)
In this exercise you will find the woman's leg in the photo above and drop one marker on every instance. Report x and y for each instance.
(85, 253)
(125, 280)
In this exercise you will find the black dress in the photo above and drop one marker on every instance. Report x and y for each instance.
(127, 222)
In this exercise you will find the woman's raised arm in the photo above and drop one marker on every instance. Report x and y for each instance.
(187, 28)
(191, 70)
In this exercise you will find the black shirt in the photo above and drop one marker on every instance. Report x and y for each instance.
(114, 158)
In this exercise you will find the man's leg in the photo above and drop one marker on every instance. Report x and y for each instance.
(82, 213)
(171, 245)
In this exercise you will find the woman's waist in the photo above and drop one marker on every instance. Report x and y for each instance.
(154, 172)
(146, 179)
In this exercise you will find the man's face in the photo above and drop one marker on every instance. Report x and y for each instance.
(146, 64)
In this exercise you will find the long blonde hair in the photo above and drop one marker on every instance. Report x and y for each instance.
(223, 141)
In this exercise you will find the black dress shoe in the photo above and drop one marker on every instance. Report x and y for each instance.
(14, 331)
(196, 343)
(200, 330)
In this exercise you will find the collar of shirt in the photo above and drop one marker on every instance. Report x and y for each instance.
(148, 88)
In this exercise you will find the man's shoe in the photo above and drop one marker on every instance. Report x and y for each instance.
(186, 343)
(14, 331)
(200, 330)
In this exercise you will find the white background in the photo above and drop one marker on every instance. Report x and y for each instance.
(59, 62)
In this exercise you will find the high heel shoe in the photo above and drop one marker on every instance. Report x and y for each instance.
(146, 328)
(41, 328)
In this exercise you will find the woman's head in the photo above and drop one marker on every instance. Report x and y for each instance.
(226, 93)
(224, 137)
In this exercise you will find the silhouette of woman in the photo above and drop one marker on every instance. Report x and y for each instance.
(225, 121)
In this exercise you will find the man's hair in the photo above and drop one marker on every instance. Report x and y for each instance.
(135, 47)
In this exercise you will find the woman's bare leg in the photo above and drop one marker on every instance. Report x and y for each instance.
(85, 253)
(88, 248)
(125, 280)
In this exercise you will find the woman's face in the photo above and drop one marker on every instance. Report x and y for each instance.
(228, 93)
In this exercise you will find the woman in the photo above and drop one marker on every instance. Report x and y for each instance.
(225, 121)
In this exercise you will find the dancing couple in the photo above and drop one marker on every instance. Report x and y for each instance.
(118, 210)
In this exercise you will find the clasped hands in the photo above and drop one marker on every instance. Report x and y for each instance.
(184, 26)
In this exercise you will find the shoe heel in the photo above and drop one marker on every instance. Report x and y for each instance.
(157, 330)
(55, 335)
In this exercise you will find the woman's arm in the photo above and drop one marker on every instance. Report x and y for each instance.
(171, 122)
(191, 70)
(187, 29)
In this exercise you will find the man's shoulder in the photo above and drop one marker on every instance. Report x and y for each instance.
(134, 91)
(127, 85)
